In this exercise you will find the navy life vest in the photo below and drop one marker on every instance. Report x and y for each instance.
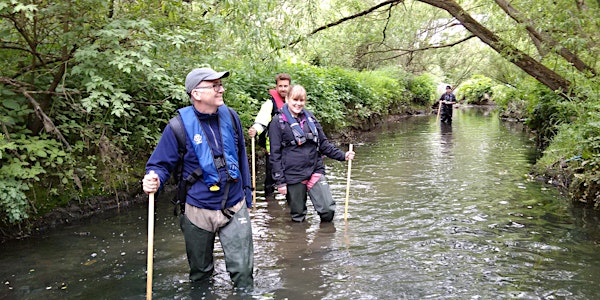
(299, 137)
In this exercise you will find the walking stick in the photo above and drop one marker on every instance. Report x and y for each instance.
(439, 109)
(150, 243)
(348, 187)
(253, 176)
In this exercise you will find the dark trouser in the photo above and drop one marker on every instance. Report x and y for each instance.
(446, 114)
(269, 182)
(320, 195)
(296, 200)
(238, 249)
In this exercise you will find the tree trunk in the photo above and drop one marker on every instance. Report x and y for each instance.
(544, 38)
(526, 63)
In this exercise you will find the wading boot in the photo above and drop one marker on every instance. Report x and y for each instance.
(320, 195)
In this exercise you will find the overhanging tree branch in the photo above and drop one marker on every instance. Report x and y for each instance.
(532, 67)
(423, 48)
(39, 112)
(529, 65)
(342, 20)
(387, 22)
(545, 38)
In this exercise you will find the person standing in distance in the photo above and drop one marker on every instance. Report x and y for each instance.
(297, 145)
(447, 100)
(261, 125)
(219, 199)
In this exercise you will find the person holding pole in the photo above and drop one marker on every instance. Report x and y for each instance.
(348, 186)
(261, 123)
(447, 100)
(215, 166)
(297, 143)
(150, 254)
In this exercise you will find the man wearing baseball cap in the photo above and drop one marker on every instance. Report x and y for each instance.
(214, 190)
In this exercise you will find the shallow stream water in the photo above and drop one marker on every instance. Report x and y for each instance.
(433, 213)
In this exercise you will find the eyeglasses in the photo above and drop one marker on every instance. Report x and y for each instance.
(216, 87)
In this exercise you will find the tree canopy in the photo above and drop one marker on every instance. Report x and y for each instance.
(85, 84)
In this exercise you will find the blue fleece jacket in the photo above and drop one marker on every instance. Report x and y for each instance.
(165, 157)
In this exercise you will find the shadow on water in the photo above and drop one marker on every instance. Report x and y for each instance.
(435, 212)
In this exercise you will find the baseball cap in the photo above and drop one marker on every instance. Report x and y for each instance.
(198, 75)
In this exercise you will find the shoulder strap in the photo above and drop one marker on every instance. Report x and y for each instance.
(277, 101)
(235, 128)
(179, 199)
(274, 109)
(296, 130)
(177, 127)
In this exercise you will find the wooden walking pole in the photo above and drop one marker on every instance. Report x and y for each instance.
(439, 109)
(253, 176)
(150, 243)
(348, 186)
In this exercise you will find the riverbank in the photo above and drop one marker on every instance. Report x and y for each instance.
(77, 211)
(496, 223)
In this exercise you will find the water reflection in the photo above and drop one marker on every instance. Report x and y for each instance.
(436, 213)
(446, 137)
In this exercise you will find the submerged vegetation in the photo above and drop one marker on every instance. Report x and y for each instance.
(86, 87)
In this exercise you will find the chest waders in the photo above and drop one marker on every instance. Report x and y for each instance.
(238, 249)
(235, 236)
(322, 200)
(446, 114)
(319, 193)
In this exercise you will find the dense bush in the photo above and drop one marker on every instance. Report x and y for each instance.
(338, 97)
(422, 88)
(567, 131)
(573, 157)
(111, 128)
(476, 90)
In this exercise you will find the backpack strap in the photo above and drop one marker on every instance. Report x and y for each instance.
(176, 125)
(235, 128)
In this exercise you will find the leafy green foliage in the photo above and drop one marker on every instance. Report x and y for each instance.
(88, 86)
(567, 131)
(338, 97)
(476, 90)
(575, 151)
(13, 201)
(422, 87)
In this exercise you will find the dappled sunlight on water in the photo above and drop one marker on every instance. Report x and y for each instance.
(434, 213)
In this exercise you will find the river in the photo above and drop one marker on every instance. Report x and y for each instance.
(433, 213)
